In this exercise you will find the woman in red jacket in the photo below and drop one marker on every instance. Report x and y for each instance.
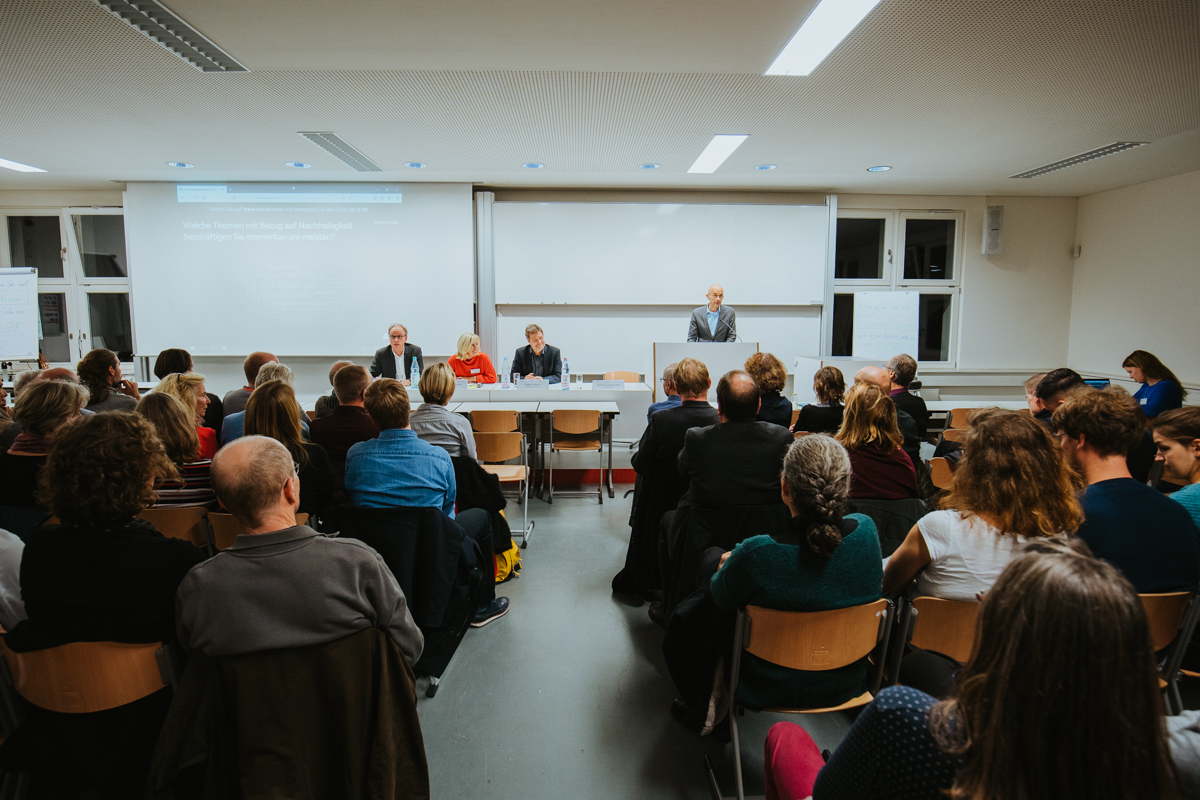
(470, 362)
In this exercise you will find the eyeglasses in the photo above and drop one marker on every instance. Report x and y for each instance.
(296, 469)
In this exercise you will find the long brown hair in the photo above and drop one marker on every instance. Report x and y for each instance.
(1060, 698)
(173, 424)
(1152, 368)
(869, 420)
(272, 411)
(1014, 472)
(93, 372)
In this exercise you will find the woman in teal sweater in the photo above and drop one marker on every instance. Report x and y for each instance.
(826, 559)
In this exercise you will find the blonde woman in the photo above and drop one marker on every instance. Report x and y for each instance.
(869, 432)
(471, 362)
(433, 423)
(175, 427)
(188, 388)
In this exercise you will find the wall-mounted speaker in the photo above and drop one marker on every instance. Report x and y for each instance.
(993, 231)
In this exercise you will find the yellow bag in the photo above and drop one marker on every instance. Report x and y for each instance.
(508, 563)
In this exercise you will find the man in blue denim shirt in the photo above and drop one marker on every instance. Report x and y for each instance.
(398, 469)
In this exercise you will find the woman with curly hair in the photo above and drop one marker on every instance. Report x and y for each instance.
(871, 434)
(824, 416)
(173, 424)
(188, 388)
(770, 375)
(100, 372)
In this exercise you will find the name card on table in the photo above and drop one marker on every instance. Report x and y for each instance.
(533, 383)
(609, 385)
(461, 383)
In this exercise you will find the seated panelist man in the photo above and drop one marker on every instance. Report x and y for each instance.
(537, 359)
(395, 360)
(715, 322)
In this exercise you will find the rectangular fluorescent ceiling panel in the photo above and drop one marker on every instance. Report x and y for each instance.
(161, 25)
(720, 148)
(829, 23)
(1090, 155)
(337, 147)
(18, 166)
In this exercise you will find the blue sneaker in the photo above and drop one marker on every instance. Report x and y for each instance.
(492, 611)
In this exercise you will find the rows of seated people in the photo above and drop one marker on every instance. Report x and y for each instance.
(86, 453)
(1045, 524)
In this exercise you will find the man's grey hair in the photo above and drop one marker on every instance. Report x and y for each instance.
(272, 371)
(904, 367)
(248, 474)
(397, 325)
(668, 375)
(23, 379)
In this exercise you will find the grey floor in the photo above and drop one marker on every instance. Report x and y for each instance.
(568, 696)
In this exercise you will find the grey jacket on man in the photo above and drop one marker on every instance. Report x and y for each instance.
(726, 325)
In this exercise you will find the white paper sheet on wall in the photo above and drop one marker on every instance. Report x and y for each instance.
(885, 323)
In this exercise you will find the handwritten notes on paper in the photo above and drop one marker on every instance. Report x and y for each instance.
(885, 324)
(18, 314)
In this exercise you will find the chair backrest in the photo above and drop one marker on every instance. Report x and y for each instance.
(575, 420)
(495, 421)
(801, 434)
(178, 523)
(1164, 613)
(312, 415)
(84, 677)
(814, 640)
(945, 626)
(494, 447)
(623, 375)
(958, 418)
(225, 528)
(940, 473)
(955, 435)
(795, 416)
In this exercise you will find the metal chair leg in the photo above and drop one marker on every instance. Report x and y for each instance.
(550, 487)
(737, 752)
(602, 486)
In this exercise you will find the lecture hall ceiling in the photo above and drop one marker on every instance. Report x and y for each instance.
(955, 95)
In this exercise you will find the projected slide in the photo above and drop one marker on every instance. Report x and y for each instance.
(299, 269)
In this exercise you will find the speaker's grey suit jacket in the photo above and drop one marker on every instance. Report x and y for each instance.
(726, 325)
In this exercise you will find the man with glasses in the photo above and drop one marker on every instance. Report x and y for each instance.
(395, 360)
(672, 399)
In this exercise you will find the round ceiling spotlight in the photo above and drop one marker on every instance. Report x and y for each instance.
(180, 164)
(297, 164)
(765, 167)
(649, 166)
(415, 164)
(533, 165)
(880, 168)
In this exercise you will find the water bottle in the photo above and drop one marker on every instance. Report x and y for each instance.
(414, 373)
(566, 375)
(504, 369)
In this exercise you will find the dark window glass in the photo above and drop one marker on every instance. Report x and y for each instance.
(101, 240)
(55, 344)
(36, 242)
(859, 249)
(933, 335)
(843, 325)
(928, 249)
(110, 325)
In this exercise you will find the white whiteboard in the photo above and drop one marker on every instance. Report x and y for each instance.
(659, 254)
(18, 314)
(885, 323)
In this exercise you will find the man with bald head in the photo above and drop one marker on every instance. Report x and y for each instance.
(714, 322)
(283, 585)
(236, 400)
(878, 376)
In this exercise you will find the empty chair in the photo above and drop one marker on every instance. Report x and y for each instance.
(225, 529)
(495, 421)
(623, 375)
(576, 430)
(500, 447)
(179, 523)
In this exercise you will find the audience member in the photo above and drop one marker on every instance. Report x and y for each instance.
(12, 608)
(273, 412)
(100, 371)
(671, 398)
(9, 433)
(281, 584)
(326, 404)
(396, 360)
(42, 409)
(188, 389)
(1053, 389)
(433, 423)
(398, 469)
(878, 376)
(349, 423)
(903, 370)
(1177, 437)
(173, 424)
(470, 362)
(1031, 398)
(1149, 537)
(236, 400)
(881, 469)
(176, 359)
(824, 416)
(1160, 390)
(537, 359)
(235, 424)
(770, 375)
(659, 485)
(1063, 657)
(102, 576)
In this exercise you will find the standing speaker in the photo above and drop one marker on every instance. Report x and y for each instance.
(993, 230)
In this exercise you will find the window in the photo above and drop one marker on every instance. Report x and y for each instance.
(36, 242)
(928, 249)
(860, 244)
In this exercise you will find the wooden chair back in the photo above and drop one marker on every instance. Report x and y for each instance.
(1164, 613)
(801, 434)
(495, 421)
(958, 418)
(814, 640)
(312, 415)
(955, 435)
(941, 473)
(178, 523)
(84, 677)
(495, 447)
(576, 420)
(623, 375)
(225, 528)
(945, 626)
(795, 416)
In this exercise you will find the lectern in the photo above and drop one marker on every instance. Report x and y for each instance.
(719, 357)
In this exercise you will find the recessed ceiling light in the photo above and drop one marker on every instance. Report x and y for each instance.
(297, 164)
(719, 148)
(765, 167)
(415, 165)
(649, 166)
(18, 166)
(180, 164)
(880, 168)
(533, 165)
(829, 23)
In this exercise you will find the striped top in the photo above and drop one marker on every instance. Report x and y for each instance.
(195, 488)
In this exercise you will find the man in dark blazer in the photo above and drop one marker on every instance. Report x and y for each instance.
(659, 484)
(714, 322)
(537, 359)
(384, 363)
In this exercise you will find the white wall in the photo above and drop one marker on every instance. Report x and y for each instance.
(1137, 280)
